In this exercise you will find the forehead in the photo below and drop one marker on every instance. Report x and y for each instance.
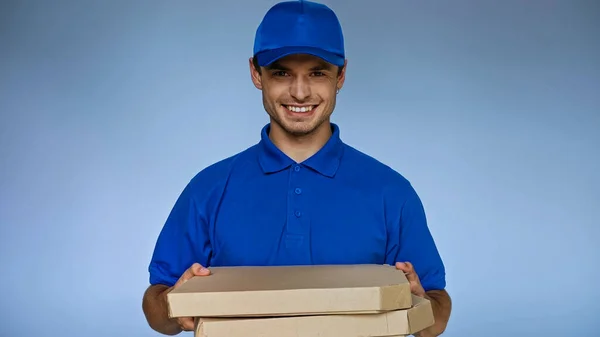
(302, 61)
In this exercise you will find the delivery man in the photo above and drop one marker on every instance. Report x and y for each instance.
(300, 196)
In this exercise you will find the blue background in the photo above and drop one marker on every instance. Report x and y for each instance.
(491, 109)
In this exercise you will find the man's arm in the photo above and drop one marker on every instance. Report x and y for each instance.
(415, 252)
(155, 309)
(182, 249)
(441, 305)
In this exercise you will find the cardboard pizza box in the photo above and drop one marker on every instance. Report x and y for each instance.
(394, 323)
(291, 291)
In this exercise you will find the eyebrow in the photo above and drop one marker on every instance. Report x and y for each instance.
(322, 66)
(277, 66)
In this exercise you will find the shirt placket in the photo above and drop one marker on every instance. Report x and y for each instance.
(298, 221)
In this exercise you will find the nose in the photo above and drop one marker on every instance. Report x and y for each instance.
(300, 88)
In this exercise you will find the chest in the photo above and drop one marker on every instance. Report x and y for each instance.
(294, 219)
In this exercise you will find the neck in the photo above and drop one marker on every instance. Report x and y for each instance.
(300, 148)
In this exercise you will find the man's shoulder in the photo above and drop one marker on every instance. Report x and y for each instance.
(217, 173)
(374, 170)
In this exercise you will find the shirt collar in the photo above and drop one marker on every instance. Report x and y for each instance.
(326, 161)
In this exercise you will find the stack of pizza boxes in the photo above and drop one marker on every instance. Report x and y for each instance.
(302, 301)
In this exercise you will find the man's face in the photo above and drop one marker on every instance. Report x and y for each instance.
(299, 92)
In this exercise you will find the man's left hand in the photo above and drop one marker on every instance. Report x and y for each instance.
(415, 284)
(440, 301)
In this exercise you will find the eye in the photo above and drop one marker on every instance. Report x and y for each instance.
(279, 73)
(318, 73)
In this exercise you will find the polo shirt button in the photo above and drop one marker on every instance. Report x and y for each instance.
(296, 168)
(298, 214)
(298, 191)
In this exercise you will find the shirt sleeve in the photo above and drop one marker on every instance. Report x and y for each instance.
(183, 240)
(411, 241)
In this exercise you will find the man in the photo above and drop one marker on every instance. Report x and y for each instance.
(301, 195)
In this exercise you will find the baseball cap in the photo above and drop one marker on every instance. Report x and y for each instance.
(299, 27)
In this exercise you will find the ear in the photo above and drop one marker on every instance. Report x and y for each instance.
(255, 75)
(342, 76)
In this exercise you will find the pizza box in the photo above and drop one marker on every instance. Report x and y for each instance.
(394, 323)
(248, 291)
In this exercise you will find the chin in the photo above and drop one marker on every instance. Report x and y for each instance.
(300, 127)
(300, 130)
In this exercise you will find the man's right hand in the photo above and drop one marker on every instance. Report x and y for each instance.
(187, 323)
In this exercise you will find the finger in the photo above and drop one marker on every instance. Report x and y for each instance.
(408, 270)
(194, 270)
(188, 273)
(199, 270)
(411, 274)
(406, 267)
(186, 323)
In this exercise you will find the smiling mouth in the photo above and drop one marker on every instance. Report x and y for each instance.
(300, 109)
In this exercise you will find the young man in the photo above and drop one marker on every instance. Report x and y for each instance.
(301, 195)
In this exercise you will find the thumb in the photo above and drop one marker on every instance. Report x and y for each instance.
(195, 269)
(408, 270)
(199, 270)
(404, 266)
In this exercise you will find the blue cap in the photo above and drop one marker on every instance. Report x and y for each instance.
(299, 27)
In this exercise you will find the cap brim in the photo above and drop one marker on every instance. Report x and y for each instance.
(267, 57)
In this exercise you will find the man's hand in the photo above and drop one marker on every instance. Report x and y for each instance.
(156, 308)
(440, 301)
(415, 284)
(187, 323)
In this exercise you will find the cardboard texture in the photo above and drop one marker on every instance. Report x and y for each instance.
(389, 324)
(291, 291)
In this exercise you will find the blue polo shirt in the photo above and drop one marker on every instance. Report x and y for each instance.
(259, 207)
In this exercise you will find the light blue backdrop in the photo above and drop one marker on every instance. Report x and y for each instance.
(491, 109)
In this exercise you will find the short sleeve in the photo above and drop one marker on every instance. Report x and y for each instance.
(411, 241)
(183, 240)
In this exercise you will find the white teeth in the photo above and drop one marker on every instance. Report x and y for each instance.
(299, 109)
